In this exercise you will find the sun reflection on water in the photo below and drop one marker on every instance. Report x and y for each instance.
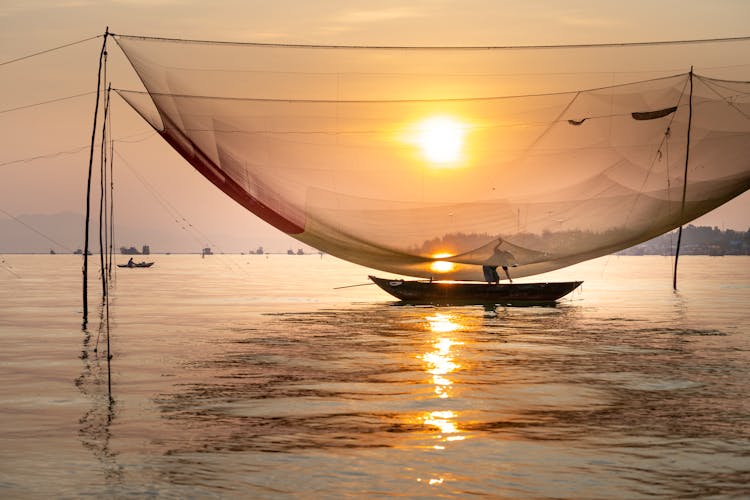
(442, 323)
(440, 361)
(442, 420)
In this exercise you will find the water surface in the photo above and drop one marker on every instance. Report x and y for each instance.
(251, 376)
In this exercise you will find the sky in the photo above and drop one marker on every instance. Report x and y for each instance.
(44, 149)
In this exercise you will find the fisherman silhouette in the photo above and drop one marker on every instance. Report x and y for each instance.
(501, 258)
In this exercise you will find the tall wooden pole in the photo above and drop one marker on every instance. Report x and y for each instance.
(684, 179)
(88, 184)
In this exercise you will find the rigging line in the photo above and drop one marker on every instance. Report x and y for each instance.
(554, 122)
(168, 207)
(371, 74)
(389, 101)
(718, 81)
(443, 47)
(175, 214)
(667, 136)
(7, 267)
(664, 138)
(36, 231)
(49, 50)
(77, 150)
(46, 102)
(339, 132)
(149, 133)
(352, 286)
(111, 194)
(102, 188)
(105, 177)
(48, 155)
(726, 99)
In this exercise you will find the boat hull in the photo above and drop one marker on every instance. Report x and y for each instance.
(446, 293)
(140, 264)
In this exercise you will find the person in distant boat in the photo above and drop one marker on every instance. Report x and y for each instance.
(501, 258)
(131, 263)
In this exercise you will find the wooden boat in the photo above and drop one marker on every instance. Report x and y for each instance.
(445, 292)
(137, 264)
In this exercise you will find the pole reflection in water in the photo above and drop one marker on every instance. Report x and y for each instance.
(94, 431)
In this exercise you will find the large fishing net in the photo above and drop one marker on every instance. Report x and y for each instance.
(417, 161)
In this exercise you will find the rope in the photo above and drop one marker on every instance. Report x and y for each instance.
(49, 50)
(103, 229)
(379, 101)
(7, 267)
(48, 155)
(36, 231)
(444, 47)
(111, 191)
(150, 133)
(199, 237)
(45, 102)
(657, 154)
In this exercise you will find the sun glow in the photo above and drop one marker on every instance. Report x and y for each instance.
(441, 266)
(441, 139)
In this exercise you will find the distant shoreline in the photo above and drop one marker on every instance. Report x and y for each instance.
(696, 240)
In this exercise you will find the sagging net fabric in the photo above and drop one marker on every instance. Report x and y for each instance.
(411, 161)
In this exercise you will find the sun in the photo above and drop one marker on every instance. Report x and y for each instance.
(441, 266)
(441, 139)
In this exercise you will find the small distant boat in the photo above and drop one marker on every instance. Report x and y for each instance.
(137, 264)
(446, 293)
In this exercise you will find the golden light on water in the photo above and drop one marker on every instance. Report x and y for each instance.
(442, 323)
(433, 481)
(440, 358)
(440, 361)
(445, 422)
(442, 420)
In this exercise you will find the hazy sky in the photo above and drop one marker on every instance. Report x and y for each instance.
(154, 183)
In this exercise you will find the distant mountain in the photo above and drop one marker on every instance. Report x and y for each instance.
(35, 233)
